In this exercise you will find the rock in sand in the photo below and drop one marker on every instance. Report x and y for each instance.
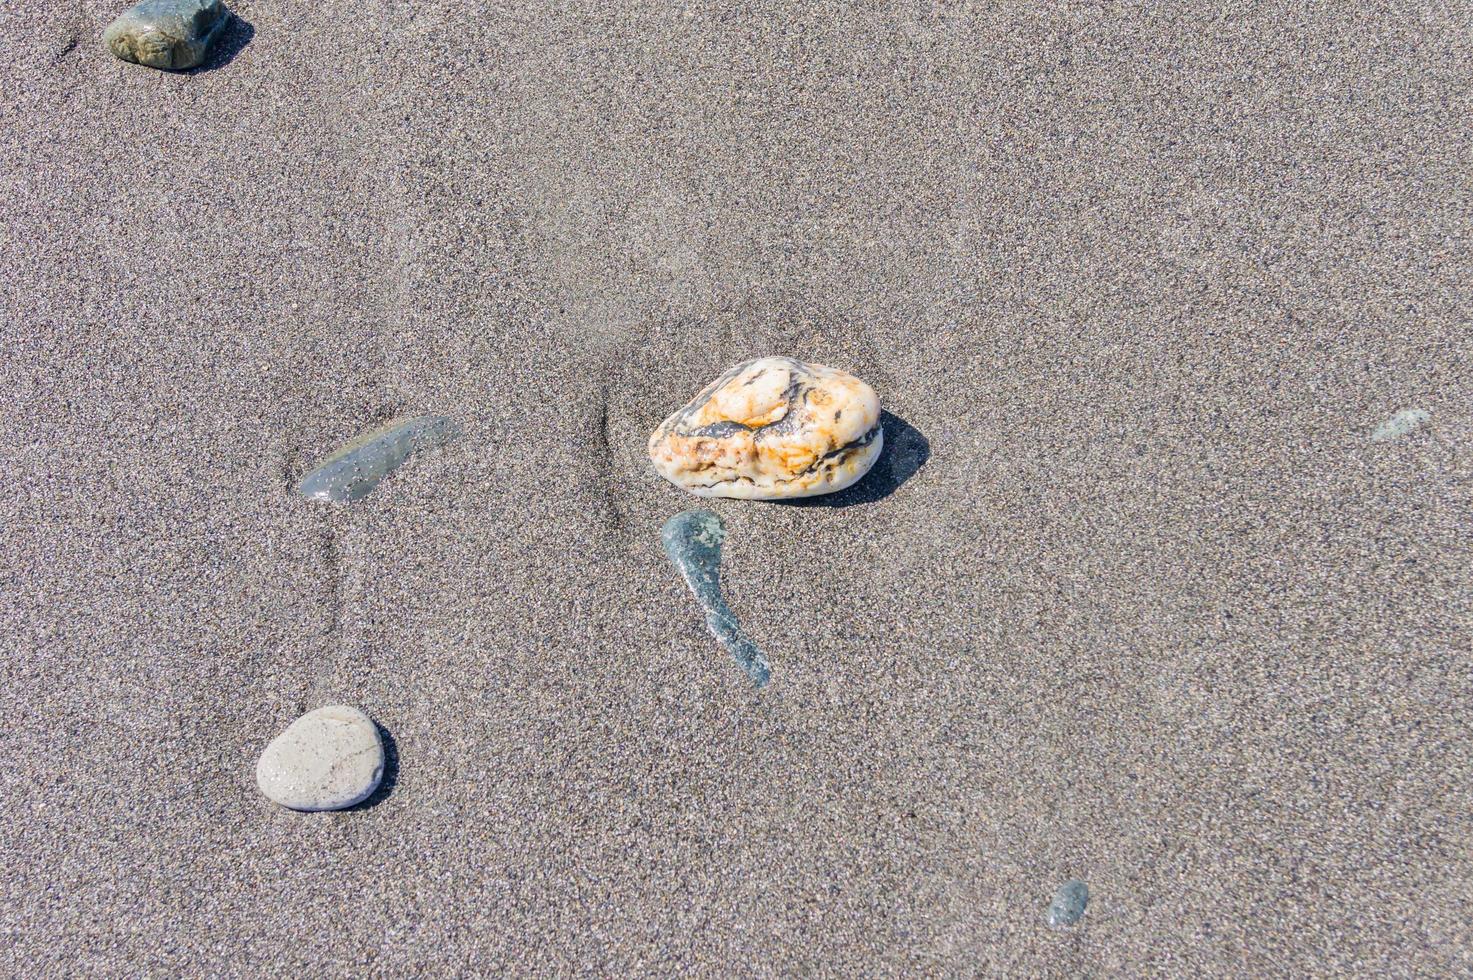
(693, 542)
(355, 469)
(169, 34)
(771, 429)
(1406, 421)
(327, 759)
(1068, 904)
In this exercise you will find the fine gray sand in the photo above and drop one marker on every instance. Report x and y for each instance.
(1156, 613)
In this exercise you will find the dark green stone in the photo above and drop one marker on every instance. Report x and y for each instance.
(168, 34)
(693, 541)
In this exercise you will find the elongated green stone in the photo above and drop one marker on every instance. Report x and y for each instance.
(168, 34)
(355, 469)
(693, 541)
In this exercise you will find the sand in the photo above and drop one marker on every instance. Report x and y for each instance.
(1132, 598)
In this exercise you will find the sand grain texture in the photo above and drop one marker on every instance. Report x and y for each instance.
(1155, 613)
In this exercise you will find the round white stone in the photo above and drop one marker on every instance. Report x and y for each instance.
(327, 759)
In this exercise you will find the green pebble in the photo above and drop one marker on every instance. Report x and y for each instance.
(693, 541)
(1403, 422)
(168, 34)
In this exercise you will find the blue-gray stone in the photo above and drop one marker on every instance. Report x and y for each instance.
(1403, 422)
(168, 34)
(355, 469)
(693, 541)
(1068, 904)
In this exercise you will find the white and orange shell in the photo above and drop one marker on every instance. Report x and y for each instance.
(772, 429)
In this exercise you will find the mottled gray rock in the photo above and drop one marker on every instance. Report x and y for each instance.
(1403, 422)
(169, 34)
(326, 760)
(1068, 904)
(355, 469)
(693, 541)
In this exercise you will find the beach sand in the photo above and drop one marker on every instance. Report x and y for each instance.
(1132, 597)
